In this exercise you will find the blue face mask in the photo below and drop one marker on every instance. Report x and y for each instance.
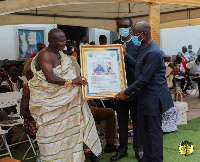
(136, 41)
(124, 32)
(189, 50)
(198, 63)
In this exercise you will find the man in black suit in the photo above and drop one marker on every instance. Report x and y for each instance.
(127, 108)
(153, 95)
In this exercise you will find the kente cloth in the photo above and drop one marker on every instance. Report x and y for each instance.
(27, 66)
(63, 119)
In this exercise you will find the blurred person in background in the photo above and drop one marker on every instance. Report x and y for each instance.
(191, 53)
(193, 70)
(102, 40)
(185, 54)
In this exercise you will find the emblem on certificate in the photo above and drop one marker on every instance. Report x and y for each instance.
(104, 68)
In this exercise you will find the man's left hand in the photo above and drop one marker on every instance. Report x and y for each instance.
(121, 96)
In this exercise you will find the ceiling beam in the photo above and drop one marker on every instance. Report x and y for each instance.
(12, 6)
(181, 23)
(28, 19)
(14, 19)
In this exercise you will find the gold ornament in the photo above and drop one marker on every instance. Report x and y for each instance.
(68, 82)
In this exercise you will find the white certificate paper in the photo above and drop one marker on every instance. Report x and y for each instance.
(103, 72)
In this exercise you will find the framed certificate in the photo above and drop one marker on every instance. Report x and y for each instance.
(104, 68)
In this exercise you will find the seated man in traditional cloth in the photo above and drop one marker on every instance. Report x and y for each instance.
(13, 82)
(63, 119)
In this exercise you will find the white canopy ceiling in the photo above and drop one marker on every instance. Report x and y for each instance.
(92, 13)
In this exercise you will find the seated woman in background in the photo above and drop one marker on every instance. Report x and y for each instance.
(170, 117)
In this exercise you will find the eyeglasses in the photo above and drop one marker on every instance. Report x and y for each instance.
(137, 34)
(124, 26)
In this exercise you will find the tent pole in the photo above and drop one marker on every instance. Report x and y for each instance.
(154, 20)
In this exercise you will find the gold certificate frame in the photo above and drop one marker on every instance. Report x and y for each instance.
(104, 68)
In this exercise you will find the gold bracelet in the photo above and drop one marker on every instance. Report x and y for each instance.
(68, 82)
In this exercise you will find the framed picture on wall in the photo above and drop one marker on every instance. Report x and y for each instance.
(27, 39)
(104, 68)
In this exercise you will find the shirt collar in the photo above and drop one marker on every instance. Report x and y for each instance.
(127, 40)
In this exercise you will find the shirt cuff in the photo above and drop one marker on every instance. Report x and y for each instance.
(128, 93)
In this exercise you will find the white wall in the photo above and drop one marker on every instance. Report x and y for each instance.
(8, 39)
(94, 34)
(172, 39)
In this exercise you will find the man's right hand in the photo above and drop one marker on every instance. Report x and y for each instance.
(80, 81)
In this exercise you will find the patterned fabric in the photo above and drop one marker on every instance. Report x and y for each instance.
(169, 119)
(30, 127)
(63, 119)
(27, 66)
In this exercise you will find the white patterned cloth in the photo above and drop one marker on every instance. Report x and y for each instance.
(169, 119)
(9, 99)
(63, 119)
(6, 102)
(13, 95)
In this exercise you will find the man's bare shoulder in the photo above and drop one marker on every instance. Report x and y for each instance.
(44, 57)
(44, 54)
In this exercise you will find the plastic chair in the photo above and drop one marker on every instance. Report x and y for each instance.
(19, 121)
(193, 89)
(10, 126)
(3, 138)
(32, 146)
